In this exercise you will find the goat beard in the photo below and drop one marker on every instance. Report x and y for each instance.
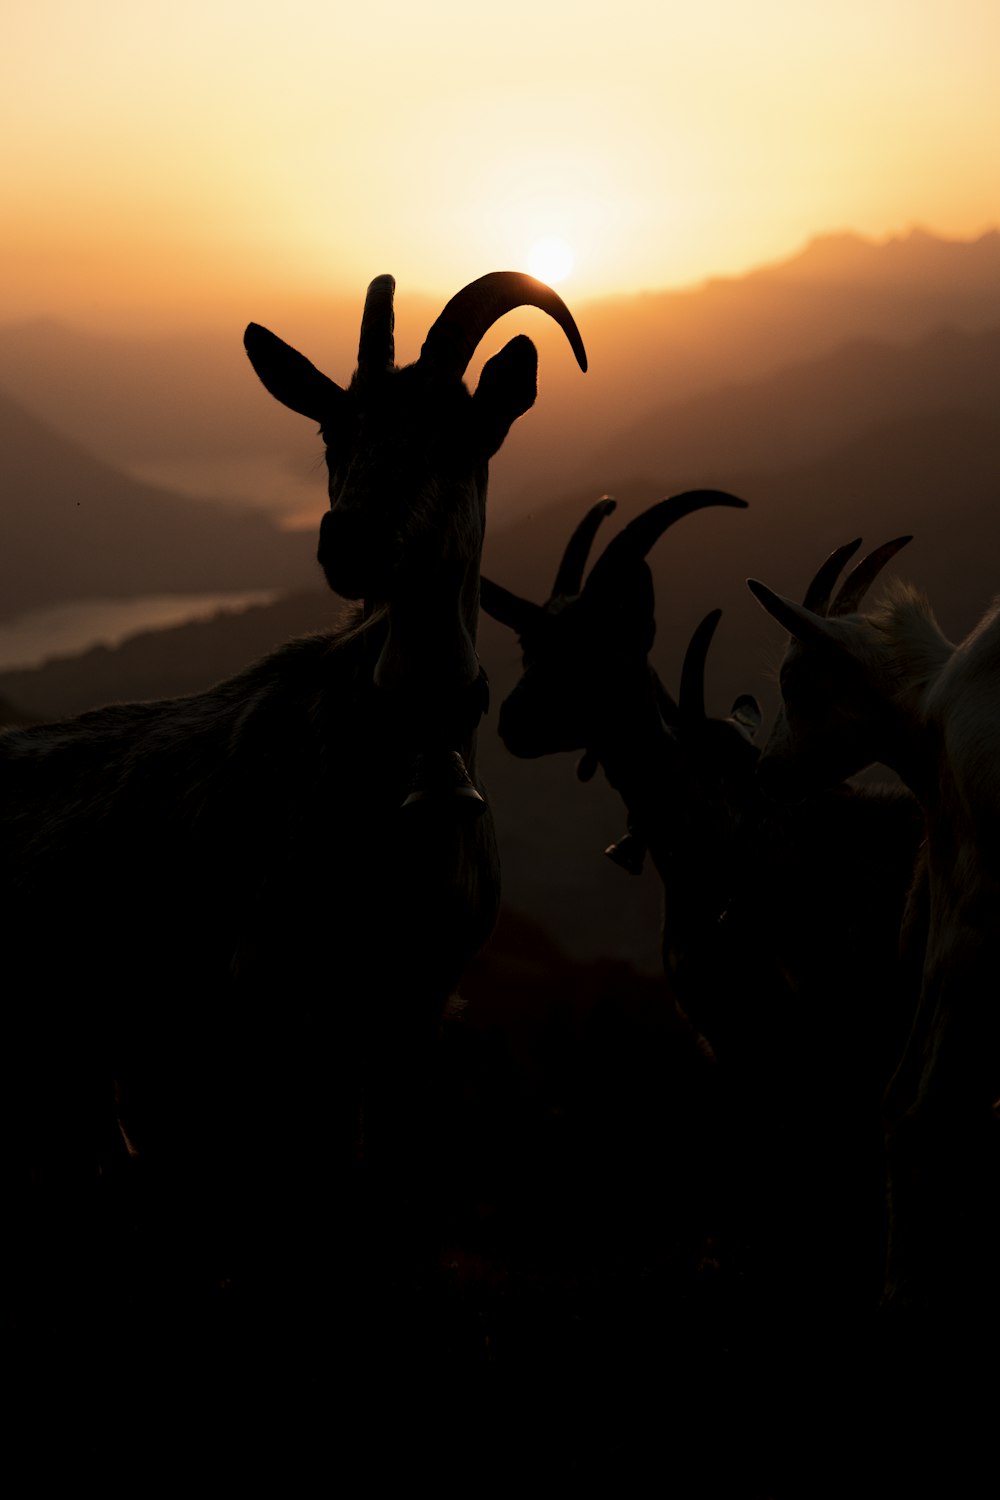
(429, 648)
(427, 672)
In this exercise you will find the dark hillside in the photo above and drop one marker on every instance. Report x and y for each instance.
(937, 476)
(158, 404)
(72, 527)
(810, 408)
(590, 905)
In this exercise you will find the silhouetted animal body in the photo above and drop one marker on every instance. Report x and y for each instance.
(250, 905)
(689, 781)
(780, 923)
(887, 686)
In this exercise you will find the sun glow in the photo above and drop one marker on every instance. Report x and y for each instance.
(118, 203)
(550, 260)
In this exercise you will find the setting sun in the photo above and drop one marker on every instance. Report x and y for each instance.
(732, 135)
(550, 260)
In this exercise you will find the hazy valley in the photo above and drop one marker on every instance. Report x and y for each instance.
(850, 391)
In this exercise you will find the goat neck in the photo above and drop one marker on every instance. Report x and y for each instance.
(632, 743)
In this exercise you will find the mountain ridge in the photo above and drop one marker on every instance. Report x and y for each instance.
(191, 399)
(73, 527)
(890, 479)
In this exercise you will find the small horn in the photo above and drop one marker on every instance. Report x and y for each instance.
(376, 347)
(818, 593)
(860, 579)
(456, 333)
(511, 610)
(634, 541)
(569, 579)
(692, 699)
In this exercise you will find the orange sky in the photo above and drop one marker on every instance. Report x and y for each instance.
(164, 157)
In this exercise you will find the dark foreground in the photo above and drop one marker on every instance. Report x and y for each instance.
(607, 1268)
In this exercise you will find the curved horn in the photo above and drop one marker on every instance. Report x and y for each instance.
(818, 593)
(692, 699)
(376, 347)
(569, 579)
(457, 331)
(860, 579)
(634, 540)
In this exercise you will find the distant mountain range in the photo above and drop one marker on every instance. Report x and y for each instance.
(809, 408)
(936, 475)
(650, 356)
(854, 390)
(74, 527)
(156, 406)
(849, 391)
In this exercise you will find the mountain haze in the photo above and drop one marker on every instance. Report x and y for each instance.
(849, 391)
(898, 478)
(808, 408)
(656, 352)
(74, 527)
(189, 408)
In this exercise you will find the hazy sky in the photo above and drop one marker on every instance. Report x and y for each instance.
(162, 156)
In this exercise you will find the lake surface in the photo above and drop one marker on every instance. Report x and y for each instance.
(66, 629)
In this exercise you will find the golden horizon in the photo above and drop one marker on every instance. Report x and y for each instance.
(173, 303)
(187, 155)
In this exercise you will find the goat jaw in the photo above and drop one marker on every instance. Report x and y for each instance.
(428, 653)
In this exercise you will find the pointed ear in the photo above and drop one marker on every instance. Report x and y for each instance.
(507, 388)
(289, 376)
(746, 713)
(800, 622)
(519, 614)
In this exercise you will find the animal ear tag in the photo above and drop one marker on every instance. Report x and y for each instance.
(746, 713)
(586, 766)
(439, 779)
(629, 852)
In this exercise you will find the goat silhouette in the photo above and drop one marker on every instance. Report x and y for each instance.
(780, 922)
(249, 906)
(885, 685)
